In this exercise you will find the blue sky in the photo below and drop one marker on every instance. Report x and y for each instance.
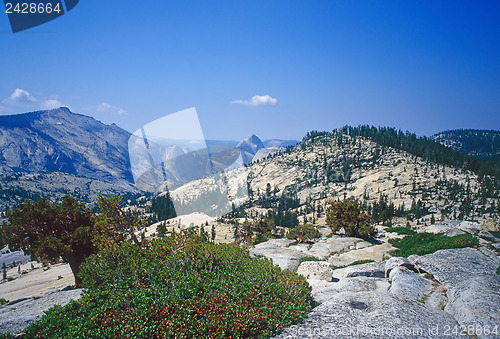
(422, 66)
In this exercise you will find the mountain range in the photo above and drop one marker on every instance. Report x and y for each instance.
(61, 141)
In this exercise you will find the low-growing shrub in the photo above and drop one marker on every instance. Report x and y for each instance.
(179, 287)
(498, 270)
(308, 232)
(401, 230)
(426, 243)
(3, 301)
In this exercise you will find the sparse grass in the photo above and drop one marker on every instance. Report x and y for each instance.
(426, 243)
(401, 230)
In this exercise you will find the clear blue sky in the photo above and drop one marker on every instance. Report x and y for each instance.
(423, 66)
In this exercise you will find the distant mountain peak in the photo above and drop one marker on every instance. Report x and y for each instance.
(251, 144)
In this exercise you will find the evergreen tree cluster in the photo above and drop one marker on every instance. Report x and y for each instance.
(163, 207)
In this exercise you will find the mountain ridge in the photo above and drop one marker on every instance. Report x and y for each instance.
(60, 140)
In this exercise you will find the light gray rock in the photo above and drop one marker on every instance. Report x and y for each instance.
(10, 257)
(489, 236)
(472, 285)
(363, 244)
(470, 227)
(407, 284)
(316, 270)
(16, 316)
(454, 266)
(476, 303)
(448, 230)
(323, 291)
(334, 245)
(372, 314)
(279, 253)
(372, 269)
(375, 253)
(395, 262)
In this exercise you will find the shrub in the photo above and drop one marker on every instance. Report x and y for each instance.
(401, 230)
(179, 286)
(350, 216)
(426, 243)
(3, 301)
(498, 270)
(308, 231)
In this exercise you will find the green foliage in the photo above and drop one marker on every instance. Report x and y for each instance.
(179, 286)
(161, 229)
(47, 232)
(68, 230)
(426, 243)
(401, 230)
(3, 301)
(304, 259)
(349, 215)
(307, 231)
(498, 270)
(163, 207)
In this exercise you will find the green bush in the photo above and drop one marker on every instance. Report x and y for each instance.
(498, 270)
(401, 230)
(349, 215)
(425, 243)
(309, 232)
(3, 301)
(179, 287)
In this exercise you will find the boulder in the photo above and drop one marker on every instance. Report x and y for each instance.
(371, 269)
(470, 227)
(371, 314)
(407, 284)
(15, 316)
(473, 287)
(336, 244)
(323, 291)
(447, 230)
(277, 250)
(375, 253)
(475, 304)
(395, 262)
(454, 266)
(489, 236)
(316, 270)
(491, 226)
